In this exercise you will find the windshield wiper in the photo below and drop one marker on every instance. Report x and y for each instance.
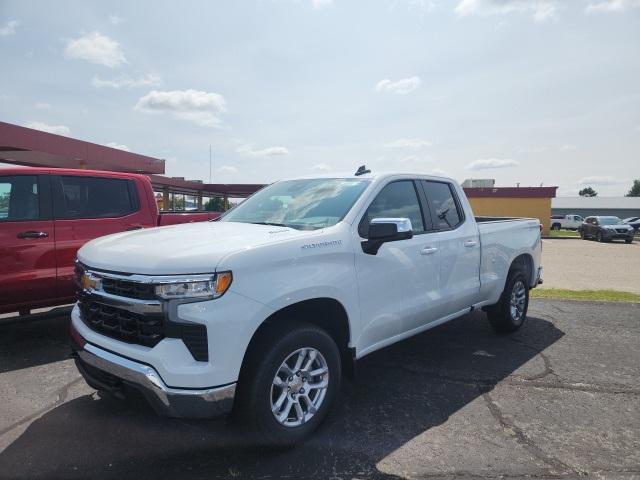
(270, 223)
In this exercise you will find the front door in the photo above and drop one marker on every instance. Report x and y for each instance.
(395, 285)
(27, 243)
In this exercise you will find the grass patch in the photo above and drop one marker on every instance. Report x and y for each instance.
(592, 295)
(563, 234)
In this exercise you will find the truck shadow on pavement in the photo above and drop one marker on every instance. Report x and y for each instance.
(34, 340)
(399, 393)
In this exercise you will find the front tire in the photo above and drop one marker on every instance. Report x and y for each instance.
(599, 237)
(510, 312)
(289, 384)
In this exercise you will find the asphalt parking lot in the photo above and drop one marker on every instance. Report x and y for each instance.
(560, 398)
(588, 265)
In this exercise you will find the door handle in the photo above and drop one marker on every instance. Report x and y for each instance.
(134, 226)
(32, 234)
(470, 243)
(428, 250)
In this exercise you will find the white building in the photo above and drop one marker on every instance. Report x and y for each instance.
(622, 207)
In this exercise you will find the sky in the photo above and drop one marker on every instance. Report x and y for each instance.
(528, 92)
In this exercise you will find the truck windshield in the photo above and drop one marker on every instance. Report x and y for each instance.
(610, 221)
(301, 204)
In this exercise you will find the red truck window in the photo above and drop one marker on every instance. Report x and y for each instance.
(93, 197)
(19, 198)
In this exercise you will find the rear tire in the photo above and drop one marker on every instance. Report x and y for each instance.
(582, 236)
(266, 401)
(510, 312)
(555, 226)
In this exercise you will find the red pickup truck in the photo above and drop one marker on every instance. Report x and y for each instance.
(47, 214)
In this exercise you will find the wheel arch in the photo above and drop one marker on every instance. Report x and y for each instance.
(525, 262)
(326, 313)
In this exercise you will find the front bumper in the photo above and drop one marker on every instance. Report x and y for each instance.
(107, 371)
(608, 235)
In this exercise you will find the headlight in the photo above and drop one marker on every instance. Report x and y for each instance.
(213, 287)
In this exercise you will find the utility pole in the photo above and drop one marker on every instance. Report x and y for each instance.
(210, 160)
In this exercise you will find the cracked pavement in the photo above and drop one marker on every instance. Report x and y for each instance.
(558, 399)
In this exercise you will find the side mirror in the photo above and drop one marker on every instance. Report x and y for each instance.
(382, 230)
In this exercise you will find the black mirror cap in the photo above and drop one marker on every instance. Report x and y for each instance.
(379, 233)
(382, 231)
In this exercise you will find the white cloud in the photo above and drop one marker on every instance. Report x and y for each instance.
(612, 6)
(57, 129)
(115, 20)
(408, 143)
(249, 151)
(541, 10)
(96, 48)
(399, 87)
(322, 167)
(598, 180)
(321, 3)
(488, 163)
(125, 81)
(118, 146)
(9, 28)
(195, 106)
(42, 105)
(228, 169)
(567, 147)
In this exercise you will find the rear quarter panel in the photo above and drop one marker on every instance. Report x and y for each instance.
(502, 242)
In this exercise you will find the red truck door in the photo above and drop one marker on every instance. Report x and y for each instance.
(87, 207)
(27, 243)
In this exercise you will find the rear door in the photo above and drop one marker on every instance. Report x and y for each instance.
(87, 207)
(458, 244)
(27, 243)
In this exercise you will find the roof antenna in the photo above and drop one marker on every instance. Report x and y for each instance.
(362, 170)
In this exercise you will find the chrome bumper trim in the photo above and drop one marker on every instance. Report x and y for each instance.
(167, 401)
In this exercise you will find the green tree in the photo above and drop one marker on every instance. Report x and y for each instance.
(587, 192)
(635, 189)
(215, 204)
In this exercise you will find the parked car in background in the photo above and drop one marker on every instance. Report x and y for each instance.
(634, 222)
(568, 222)
(267, 306)
(47, 214)
(605, 229)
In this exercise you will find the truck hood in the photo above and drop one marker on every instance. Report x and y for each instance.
(180, 249)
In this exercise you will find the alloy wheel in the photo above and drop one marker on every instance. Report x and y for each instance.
(517, 301)
(299, 387)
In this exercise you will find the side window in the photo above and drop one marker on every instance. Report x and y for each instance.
(445, 211)
(396, 200)
(92, 197)
(19, 198)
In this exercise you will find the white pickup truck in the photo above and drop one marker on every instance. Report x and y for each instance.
(265, 309)
(568, 222)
